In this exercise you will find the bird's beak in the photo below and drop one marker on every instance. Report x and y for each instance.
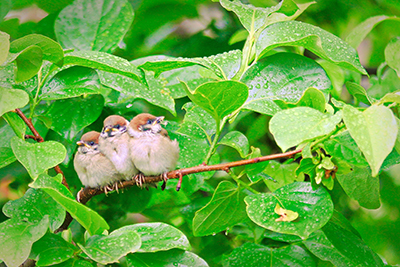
(158, 120)
(106, 129)
(81, 143)
(114, 130)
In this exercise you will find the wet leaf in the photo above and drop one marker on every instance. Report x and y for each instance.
(375, 132)
(236, 140)
(293, 126)
(33, 206)
(88, 218)
(68, 125)
(251, 254)
(4, 45)
(225, 209)
(358, 92)
(107, 249)
(285, 77)
(364, 28)
(278, 175)
(17, 237)
(286, 215)
(314, 207)
(311, 97)
(219, 98)
(158, 236)
(255, 171)
(392, 54)
(6, 156)
(16, 123)
(165, 258)
(39, 157)
(52, 249)
(102, 23)
(320, 42)
(10, 99)
(28, 62)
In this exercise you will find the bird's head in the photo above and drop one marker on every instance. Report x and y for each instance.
(89, 143)
(114, 125)
(145, 124)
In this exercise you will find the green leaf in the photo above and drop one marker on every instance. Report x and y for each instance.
(293, 126)
(392, 54)
(387, 82)
(335, 243)
(16, 123)
(102, 61)
(29, 62)
(165, 258)
(102, 30)
(358, 92)
(219, 98)
(38, 157)
(10, 99)
(224, 65)
(52, 249)
(68, 125)
(283, 76)
(225, 209)
(314, 207)
(251, 254)
(197, 123)
(320, 42)
(335, 74)
(375, 132)
(158, 236)
(4, 46)
(72, 82)
(17, 237)
(255, 171)
(364, 28)
(33, 206)
(6, 156)
(51, 50)
(236, 140)
(88, 218)
(110, 248)
(311, 97)
(75, 262)
(280, 175)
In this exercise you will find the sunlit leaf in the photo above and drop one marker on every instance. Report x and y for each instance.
(236, 140)
(392, 54)
(165, 258)
(4, 46)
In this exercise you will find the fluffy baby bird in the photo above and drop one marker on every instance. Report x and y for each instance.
(151, 149)
(93, 168)
(114, 144)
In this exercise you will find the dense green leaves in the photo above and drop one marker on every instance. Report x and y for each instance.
(283, 76)
(88, 218)
(318, 41)
(225, 209)
(314, 207)
(251, 254)
(375, 132)
(102, 23)
(293, 126)
(279, 175)
(39, 157)
(10, 99)
(165, 258)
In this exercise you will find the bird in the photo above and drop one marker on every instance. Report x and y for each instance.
(114, 144)
(94, 169)
(151, 149)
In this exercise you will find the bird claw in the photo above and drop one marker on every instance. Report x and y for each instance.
(107, 189)
(178, 186)
(165, 179)
(139, 179)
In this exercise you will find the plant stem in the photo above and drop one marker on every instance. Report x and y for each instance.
(240, 182)
(211, 151)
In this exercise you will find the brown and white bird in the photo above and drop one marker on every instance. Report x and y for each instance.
(114, 144)
(151, 149)
(93, 168)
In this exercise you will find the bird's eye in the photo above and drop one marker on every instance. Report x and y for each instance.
(149, 121)
(91, 143)
(117, 126)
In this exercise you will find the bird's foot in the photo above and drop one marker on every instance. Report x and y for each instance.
(139, 179)
(165, 179)
(178, 186)
(107, 189)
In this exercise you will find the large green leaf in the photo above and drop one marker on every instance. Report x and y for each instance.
(16, 123)
(52, 249)
(251, 254)
(236, 140)
(86, 110)
(17, 237)
(39, 157)
(283, 76)
(51, 50)
(168, 258)
(33, 206)
(314, 207)
(320, 42)
(4, 46)
(6, 156)
(10, 99)
(341, 246)
(392, 54)
(358, 92)
(88, 218)
(72, 82)
(219, 98)
(311, 97)
(292, 126)
(93, 25)
(107, 249)
(225, 209)
(279, 175)
(29, 62)
(358, 34)
(375, 132)
(158, 236)
(102, 61)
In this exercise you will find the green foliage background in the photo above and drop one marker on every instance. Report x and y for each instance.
(191, 61)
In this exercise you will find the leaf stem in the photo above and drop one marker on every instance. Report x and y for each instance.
(211, 151)
(240, 182)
